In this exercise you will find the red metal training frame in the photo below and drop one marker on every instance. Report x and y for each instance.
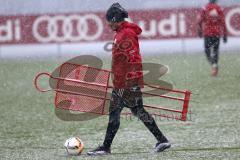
(185, 99)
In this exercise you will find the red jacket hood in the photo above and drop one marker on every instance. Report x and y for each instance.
(132, 26)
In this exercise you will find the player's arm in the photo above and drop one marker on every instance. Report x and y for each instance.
(125, 46)
(129, 49)
(121, 57)
(224, 28)
(200, 23)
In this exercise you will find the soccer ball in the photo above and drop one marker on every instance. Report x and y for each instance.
(74, 146)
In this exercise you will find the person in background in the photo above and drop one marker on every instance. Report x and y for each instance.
(212, 27)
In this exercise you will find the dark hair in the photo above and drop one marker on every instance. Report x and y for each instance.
(212, 1)
(116, 13)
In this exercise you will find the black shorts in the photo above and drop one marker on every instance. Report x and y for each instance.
(212, 42)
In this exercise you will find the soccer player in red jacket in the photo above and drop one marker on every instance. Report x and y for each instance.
(212, 26)
(127, 80)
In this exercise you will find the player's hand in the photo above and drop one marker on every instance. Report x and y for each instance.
(225, 39)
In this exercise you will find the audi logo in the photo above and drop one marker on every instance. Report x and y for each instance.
(62, 28)
(229, 17)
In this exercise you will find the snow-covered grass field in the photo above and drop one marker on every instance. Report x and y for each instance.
(29, 128)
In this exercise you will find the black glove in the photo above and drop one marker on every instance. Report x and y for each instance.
(225, 39)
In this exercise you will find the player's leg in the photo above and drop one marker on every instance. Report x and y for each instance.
(216, 50)
(139, 111)
(114, 118)
(207, 47)
(215, 56)
(113, 124)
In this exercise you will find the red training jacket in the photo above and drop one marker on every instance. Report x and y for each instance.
(126, 59)
(212, 20)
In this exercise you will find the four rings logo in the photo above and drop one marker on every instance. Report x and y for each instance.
(72, 28)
